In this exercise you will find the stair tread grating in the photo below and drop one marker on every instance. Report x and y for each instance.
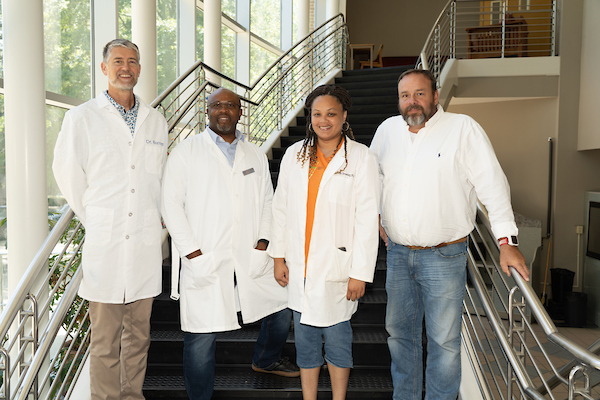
(361, 334)
(235, 379)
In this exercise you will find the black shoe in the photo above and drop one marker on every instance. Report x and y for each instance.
(283, 367)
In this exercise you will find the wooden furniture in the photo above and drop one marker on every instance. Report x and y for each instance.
(486, 41)
(377, 62)
(353, 47)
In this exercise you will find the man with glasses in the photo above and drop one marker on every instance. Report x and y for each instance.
(217, 195)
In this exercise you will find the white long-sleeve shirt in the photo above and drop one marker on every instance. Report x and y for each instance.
(430, 185)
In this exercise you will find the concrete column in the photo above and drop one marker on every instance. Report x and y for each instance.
(25, 124)
(333, 9)
(303, 18)
(105, 14)
(143, 33)
(287, 26)
(186, 35)
(212, 37)
(242, 45)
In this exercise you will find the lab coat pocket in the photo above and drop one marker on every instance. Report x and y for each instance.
(341, 188)
(340, 268)
(98, 225)
(153, 157)
(260, 263)
(203, 271)
(152, 227)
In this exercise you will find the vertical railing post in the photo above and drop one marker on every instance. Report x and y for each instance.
(453, 30)
(503, 29)
(5, 368)
(513, 329)
(573, 390)
(280, 90)
(436, 52)
(553, 29)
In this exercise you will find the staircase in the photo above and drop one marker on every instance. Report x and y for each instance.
(374, 96)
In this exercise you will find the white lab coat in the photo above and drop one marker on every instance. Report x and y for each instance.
(222, 211)
(346, 216)
(112, 182)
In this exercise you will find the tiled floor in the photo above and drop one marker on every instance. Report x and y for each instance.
(584, 337)
(495, 372)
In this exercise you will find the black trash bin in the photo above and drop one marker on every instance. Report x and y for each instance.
(576, 309)
(562, 283)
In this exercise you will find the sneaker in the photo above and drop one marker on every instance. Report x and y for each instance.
(283, 367)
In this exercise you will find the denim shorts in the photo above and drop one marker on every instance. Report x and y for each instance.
(309, 344)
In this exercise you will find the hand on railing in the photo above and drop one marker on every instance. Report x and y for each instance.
(510, 256)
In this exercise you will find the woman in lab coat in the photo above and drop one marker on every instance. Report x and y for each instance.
(325, 236)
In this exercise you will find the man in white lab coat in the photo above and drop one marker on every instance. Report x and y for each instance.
(108, 163)
(217, 195)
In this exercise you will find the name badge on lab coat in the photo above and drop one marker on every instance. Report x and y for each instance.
(248, 171)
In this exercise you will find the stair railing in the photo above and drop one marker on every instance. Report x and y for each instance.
(511, 359)
(266, 103)
(471, 29)
(44, 312)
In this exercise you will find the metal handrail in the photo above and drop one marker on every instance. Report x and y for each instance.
(269, 99)
(36, 311)
(460, 32)
(485, 327)
(27, 346)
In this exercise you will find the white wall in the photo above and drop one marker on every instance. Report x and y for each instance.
(589, 118)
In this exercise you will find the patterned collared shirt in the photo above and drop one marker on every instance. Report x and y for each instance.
(130, 116)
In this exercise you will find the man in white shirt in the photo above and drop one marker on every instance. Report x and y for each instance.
(108, 163)
(433, 166)
(217, 195)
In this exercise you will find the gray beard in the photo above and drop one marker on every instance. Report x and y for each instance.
(414, 120)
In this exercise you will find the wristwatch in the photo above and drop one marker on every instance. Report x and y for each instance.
(510, 240)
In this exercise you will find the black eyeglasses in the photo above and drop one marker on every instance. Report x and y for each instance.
(218, 105)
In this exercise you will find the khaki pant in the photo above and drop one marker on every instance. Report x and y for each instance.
(119, 349)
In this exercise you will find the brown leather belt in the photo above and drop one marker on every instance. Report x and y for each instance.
(439, 245)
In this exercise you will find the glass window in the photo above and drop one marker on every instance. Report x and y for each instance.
(67, 47)
(265, 20)
(1, 45)
(124, 19)
(54, 119)
(227, 54)
(260, 60)
(166, 43)
(228, 8)
(199, 34)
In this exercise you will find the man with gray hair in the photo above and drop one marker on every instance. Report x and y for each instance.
(108, 163)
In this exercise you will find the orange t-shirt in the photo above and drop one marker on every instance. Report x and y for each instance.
(314, 181)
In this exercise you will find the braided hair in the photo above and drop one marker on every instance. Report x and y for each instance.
(309, 147)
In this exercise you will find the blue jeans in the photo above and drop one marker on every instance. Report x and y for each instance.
(199, 353)
(426, 283)
(273, 334)
(310, 340)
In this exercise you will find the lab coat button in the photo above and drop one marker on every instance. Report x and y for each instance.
(130, 143)
(127, 237)
(133, 167)
(132, 190)
(130, 214)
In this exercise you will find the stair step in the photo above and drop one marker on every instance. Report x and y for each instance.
(391, 99)
(240, 382)
(378, 71)
(376, 84)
